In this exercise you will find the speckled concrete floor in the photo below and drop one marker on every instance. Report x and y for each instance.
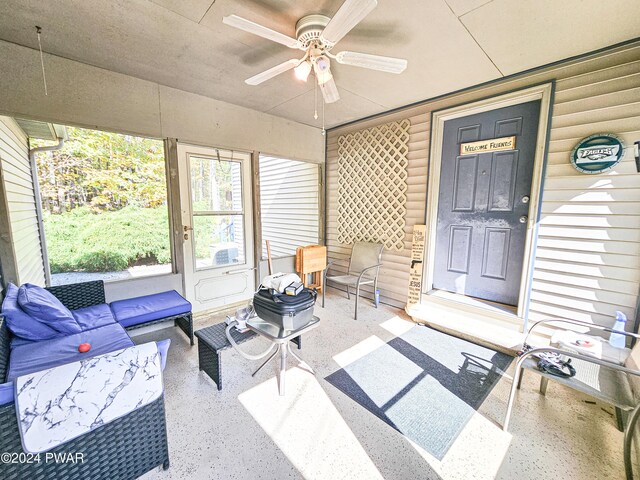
(246, 431)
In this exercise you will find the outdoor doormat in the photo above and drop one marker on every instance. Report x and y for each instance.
(424, 383)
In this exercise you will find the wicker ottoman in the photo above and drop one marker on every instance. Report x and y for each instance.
(212, 341)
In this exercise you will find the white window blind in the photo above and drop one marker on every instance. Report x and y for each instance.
(289, 204)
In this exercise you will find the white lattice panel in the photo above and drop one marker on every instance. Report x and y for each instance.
(372, 185)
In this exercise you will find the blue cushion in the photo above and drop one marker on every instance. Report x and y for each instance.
(90, 317)
(6, 392)
(16, 341)
(94, 316)
(44, 306)
(7, 389)
(134, 311)
(33, 357)
(20, 323)
(163, 348)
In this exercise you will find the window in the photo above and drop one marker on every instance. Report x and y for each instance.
(218, 218)
(104, 204)
(289, 201)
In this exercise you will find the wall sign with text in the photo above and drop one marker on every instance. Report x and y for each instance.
(491, 145)
(415, 269)
(597, 153)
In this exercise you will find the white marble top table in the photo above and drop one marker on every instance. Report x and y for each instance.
(57, 405)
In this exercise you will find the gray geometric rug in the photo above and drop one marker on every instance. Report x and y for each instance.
(424, 383)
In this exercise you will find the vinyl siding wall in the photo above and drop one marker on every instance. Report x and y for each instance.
(588, 252)
(289, 196)
(19, 204)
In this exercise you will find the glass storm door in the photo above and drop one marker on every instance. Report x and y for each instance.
(217, 230)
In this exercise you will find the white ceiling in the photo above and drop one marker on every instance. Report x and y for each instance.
(450, 44)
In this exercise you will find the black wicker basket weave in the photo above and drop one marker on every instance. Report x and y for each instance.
(80, 295)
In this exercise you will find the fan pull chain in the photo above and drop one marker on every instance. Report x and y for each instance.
(323, 130)
(315, 100)
(44, 76)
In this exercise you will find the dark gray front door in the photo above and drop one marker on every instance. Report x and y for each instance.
(484, 203)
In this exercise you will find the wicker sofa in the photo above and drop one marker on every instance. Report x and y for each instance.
(122, 449)
(88, 294)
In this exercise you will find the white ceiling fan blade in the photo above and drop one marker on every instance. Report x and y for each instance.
(264, 32)
(374, 62)
(272, 72)
(347, 17)
(330, 91)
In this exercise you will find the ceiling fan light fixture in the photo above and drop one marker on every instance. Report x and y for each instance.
(302, 71)
(322, 68)
(330, 92)
(324, 77)
(316, 36)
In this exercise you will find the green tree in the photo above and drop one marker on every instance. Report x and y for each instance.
(103, 171)
(104, 197)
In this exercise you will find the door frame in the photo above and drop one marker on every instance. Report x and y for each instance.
(544, 93)
(188, 267)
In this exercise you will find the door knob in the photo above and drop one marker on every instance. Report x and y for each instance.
(525, 199)
(186, 228)
(523, 219)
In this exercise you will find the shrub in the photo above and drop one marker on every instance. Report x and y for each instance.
(102, 261)
(80, 240)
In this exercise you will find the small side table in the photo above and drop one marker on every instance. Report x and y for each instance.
(212, 340)
(281, 338)
(568, 340)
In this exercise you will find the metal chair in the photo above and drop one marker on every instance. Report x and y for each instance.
(609, 378)
(364, 266)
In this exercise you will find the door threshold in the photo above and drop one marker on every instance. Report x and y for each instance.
(498, 308)
(486, 323)
(491, 335)
(220, 309)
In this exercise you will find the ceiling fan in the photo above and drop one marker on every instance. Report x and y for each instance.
(316, 36)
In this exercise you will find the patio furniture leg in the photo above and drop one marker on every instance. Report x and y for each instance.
(210, 362)
(628, 437)
(544, 381)
(166, 465)
(324, 287)
(190, 321)
(306, 365)
(185, 323)
(283, 370)
(375, 287)
(512, 393)
(357, 296)
(619, 419)
(520, 379)
(348, 293)
(266, 361)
